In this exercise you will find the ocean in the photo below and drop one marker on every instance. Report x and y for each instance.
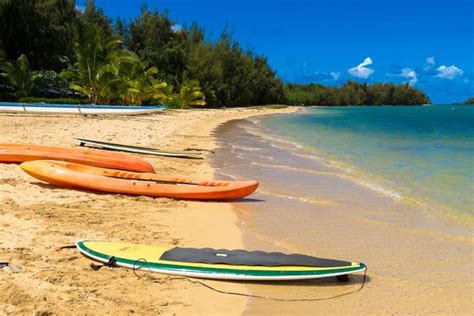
(423, 153)
(335, 159)
(388, 186)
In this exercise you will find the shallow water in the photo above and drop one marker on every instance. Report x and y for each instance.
(418, 250)
(425, 153)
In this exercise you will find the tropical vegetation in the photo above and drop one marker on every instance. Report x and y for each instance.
(50, 49)
(469, 101)
(18, 74)
(354, 93)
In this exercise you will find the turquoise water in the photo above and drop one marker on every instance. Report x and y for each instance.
(420, 153)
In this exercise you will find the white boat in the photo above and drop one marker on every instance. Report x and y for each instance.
(40, 108)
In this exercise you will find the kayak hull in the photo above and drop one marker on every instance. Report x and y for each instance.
(18, 153)
(12, 107)
(73, 175)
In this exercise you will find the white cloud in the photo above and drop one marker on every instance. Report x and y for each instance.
(448, 72)
(429, 64)
(335, 75)
(176, 28)
(80, 8)
(361, 71)
(409, 74)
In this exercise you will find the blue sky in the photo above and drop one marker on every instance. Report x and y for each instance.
(426, 43)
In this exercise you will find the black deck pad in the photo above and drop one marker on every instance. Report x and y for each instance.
(249, 258)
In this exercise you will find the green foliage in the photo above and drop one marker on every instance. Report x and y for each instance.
(230, 76)
(140, 83)
(97, 61)
(95, 16)
(50, 100)
(152, 37)
(18, 74)
(40, 29)
(49, 79)
(106, 74)
(469, 101)
(149, 59)
(189, 95)
(353, 93)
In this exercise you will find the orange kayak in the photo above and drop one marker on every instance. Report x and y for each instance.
(73, 175)
(17, 153)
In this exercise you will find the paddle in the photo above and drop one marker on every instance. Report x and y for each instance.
(135, 149)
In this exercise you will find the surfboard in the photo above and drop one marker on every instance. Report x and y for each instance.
(216, 263)
(136, 149)
(39, 108)
(72, 175)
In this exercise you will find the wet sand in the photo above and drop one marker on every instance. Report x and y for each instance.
(36, 217)
(420, 260)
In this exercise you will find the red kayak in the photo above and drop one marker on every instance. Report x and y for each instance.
(18, 153)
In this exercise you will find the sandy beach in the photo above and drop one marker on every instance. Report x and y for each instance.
(35, 218)
(419, 261)
(337, 146)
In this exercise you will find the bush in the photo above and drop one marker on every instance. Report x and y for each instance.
(51, 101)
(469, 101)
(48, 79)
(354, 93)
(6, 96)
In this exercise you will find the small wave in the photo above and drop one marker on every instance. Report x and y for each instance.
(310, 157)
(267, 157)
(299, 198)
(245, 148)
(285, 167)
(378, 188)
(369, 185)
(255, 121)
(230, 176)
(275, 140)
(344, 170)
(285, 145)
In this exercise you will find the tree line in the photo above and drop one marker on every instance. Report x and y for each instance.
(354, 93)
(148, 59)
(469, 101)
(50, 48)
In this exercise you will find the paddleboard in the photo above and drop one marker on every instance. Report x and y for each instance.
(135, 149)
(216, 263)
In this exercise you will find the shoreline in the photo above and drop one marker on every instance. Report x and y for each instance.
(33, 224)
(391, 236)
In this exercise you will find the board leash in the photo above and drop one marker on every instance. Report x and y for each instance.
(199, 149)
(265, 297)
(112, 264)
(64, 247)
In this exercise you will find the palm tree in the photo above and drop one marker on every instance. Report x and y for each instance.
(97, 67)
(189, 95)
(140, 82)
(105, 73)
(3, 56)
(18, 74)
